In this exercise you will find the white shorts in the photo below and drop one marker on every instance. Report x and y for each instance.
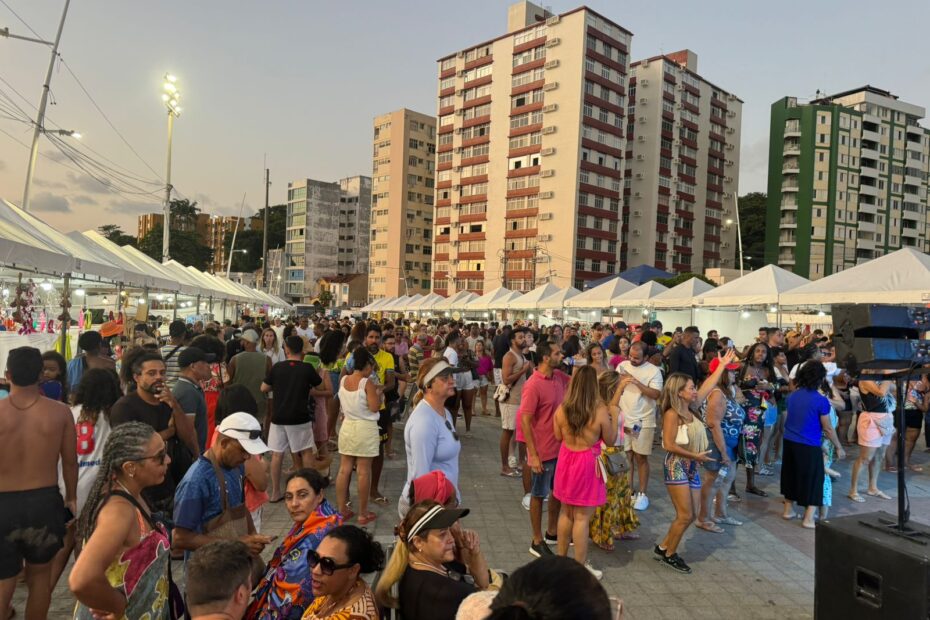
(641, 443)
(296, 437)
(463, 381)
(509, 416)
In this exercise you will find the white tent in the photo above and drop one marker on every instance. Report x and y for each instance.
(427, 303)
(763, 287)
(639, 296)
(531, 300)
(150, 278)
(376, 303)
(681, 296)
(395, 305)
(491, 300)
(455, 302)
(600, 296)
(557, 301)
(407, 306)
(902, 277)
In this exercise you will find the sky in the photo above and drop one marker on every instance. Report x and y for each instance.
(296, 83)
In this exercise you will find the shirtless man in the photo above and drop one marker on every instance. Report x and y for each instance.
(34, 433)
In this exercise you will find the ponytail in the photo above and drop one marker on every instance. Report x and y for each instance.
(397, 565)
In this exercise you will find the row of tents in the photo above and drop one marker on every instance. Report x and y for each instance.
(31, 248)
(899, 278)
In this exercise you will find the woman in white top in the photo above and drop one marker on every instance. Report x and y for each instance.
(271, 347)
(359, 438)
(95, 394)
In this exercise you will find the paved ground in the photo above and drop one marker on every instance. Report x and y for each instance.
(763, 569)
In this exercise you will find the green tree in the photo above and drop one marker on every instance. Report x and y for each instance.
(325, 298)
(115, 234)
(752, 224)
(682, 277)
(185, 247)
(252, 240)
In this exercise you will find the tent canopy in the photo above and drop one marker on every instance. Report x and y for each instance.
(455, 302)
(902, 277)
(408, 305)
(397, 304)
(639, 296)
(644, 273)
(427, 303)
(531, 300)
(601, 296)
(557, 301)
(681, 296)
(493, 300)
(761, 287)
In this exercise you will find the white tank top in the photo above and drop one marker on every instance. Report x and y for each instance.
(354, 403)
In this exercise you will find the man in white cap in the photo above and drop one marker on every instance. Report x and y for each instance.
(249, 368)
(199, 514)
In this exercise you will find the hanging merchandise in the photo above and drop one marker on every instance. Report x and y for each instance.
(25, 307)
(42, 321)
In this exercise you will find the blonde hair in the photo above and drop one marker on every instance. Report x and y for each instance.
(671, 397)
(582, 400)
(276, 346)
(607, 383)
(425, 366)
(397, 565)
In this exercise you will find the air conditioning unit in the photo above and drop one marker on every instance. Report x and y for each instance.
(553, 42)
(545, 237)
(728, 179)
(731, 114)
(458, 131)
(460, 112)
(637, 213)
(460, 92)
(634, 251)
(547, 151)
(460, 55)
(546, 195)
(730, 147)
(636, 232)
(645, 63)
(456, 169)
(456, 243)
(551, 86)
(731, 97)
(727, 195)
(548, 130)
(730, 130)
(643, 100)
(643, 82)
(640, 175)
(552, 107)
(461, 73)
(547, 173)
(641, 138)
(637, 195)
(675, 160)
(552, 21)
(642, 119)
(640, 157)
(552, 64)
(457, 188)
(678, 106)
(725, 244)
(729, 162)
(545, 216)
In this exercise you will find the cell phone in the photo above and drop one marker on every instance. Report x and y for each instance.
(273, 538)
(69, 516)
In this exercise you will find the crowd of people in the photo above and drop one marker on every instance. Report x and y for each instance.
(156, 448)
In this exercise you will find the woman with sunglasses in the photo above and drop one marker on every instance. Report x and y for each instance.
(286, 589)
(432, 584)
(122, 571)
(335, 568)
(429, 436)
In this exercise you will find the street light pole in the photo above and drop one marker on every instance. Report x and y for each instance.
(739, 234)
(40, 117)
(171, 97)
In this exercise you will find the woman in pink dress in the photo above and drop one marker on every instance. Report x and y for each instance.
(583, 424)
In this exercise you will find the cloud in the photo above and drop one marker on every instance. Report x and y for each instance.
(753, 170)
(133, 208)
(88, 184)
(49, 184)
(2, 165)
(50, 202)
(81, 199)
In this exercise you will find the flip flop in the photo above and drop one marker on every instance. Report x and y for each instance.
(792, 516)
(276, 501)
(710, 526)
(348, 514)
(628, 536)
(878, 494)
(382, 500)
(809, 526)
(727, 521)
(915, 468)
(366, 519)
(856, 498)
(757, 491)
(513, 474)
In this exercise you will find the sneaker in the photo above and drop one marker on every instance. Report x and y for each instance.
(676, 563)
(540, 549)
(734, 497)
(659, 552)
(640, 502)
(526, 502)
(512, 462)
(549, 538)
(598, 574)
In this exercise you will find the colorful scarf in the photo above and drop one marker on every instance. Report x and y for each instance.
(286, 589)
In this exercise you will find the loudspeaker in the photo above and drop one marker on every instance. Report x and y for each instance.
(873, 336)
(864, 571)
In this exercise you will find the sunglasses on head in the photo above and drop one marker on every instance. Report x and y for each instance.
(327, 565)
(253, 434)
(452, 430)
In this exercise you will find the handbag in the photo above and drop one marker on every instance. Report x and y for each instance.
(231, 523)
(502, 393)
(681, 437)
(615, 462)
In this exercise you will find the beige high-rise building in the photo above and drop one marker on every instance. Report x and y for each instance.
(402, 186)
(682, 169)
(530, 142)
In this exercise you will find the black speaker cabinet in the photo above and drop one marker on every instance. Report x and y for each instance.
(863, 572)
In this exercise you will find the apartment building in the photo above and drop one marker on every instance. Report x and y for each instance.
(327, 233)
(530, 141)
(847, 181)
(402, 188)
(210, 229)
(682, 168)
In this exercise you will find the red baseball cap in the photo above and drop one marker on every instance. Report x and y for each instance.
(715, 363)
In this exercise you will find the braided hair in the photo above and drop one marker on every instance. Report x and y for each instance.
(127, 442)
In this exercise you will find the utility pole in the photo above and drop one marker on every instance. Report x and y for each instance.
(265, 235)
(40, 117)
(171, 96)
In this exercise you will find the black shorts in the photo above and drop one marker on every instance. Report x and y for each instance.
(384, 423)
(913, 418)
(32, 528)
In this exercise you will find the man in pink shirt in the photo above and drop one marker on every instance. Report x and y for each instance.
(543, 393)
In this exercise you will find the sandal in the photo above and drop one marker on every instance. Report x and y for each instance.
(513, 473)
(756, 491)
(856, 498)
(878, 494)
(809, 526)
(366, 519)
(764, 471)
(381, 500)
(628, 536)
(348, 514)
(605, 546)
(710, 526)
(915, 468)
(790, 517)
(727, 521)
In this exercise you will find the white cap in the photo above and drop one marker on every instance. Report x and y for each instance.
(250, 335)
(244, 428)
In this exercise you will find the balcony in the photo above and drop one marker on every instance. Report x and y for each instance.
(791, 165)
(910, 232)
(868, 153)
(792, 147)
(789, 205)
(789, 187)
(866, 226)
(793, 128)
(869, 135)
(788, 223)
(786, 259)
(868, 190)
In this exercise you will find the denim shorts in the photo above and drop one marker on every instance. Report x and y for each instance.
(542, 482)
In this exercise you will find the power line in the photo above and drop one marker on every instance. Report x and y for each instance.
(23, 21)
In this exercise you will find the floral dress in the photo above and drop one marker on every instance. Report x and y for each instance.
(829, 453)
(616, 517)
(757, 402)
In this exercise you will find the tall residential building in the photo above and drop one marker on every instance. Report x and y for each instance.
(217, 229)
(847, 181)
(403, 182)
(523, 122)
(327, 226)
(682, 168)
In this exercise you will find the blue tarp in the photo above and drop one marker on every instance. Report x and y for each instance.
(636, 275)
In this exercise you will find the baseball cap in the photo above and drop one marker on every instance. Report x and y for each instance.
(244, 428)
(250, 335)
(619, 325)
(436, 518)
(715, 363)
(192, 355)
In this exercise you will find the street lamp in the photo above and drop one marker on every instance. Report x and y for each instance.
(229, 265)
(171, 97)
(739, 241)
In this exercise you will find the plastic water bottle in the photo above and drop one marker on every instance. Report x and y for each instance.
(636, 428)
(724, 471)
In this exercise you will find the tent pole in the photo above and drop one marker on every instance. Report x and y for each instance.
(198, 305)
(224, 309)
(65, 316)
(175, 316)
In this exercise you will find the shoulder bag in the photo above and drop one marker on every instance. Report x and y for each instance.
(231, 523)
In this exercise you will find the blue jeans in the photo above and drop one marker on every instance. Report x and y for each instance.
(542, 483)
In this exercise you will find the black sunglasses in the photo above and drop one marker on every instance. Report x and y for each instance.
(327, 565)
(159, 457)
(452, 430)
(253, 434)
